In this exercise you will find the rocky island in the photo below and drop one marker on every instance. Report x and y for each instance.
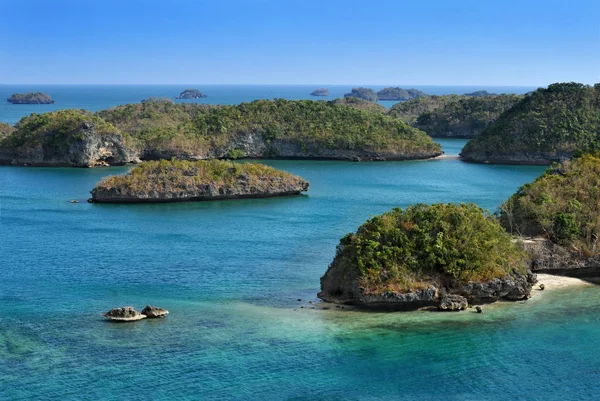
(547, 125)
(453, 116)
(65, 138)
(278, 129)
(480, 93)
(30, 98)
(559, 217)
(191, 94)
(443, 255)
(363, 93)
(320, 92)
(180, 181)
(399, 94)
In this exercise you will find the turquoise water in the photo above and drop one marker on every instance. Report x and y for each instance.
(231, 272)
(99, 97)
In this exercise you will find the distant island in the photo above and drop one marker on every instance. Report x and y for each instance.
(320, 92)
(180, 181)
(267, 129)
(359, 104)
(30, 98)
(191, 94)
(363, 93)
(453, 116)
(481, 93)
(399, 94)
(547, 125)
(442, 255)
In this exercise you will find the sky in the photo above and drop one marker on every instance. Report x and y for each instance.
(377, 42)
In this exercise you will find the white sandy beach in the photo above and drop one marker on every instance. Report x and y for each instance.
(552, 282)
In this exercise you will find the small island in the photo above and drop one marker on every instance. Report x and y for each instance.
(480, 93)
(320, 92)
(399, 94)
(359, 104)
(363, 93)
(30, 98)
(180, 181)
(441, 255)
(191, 94)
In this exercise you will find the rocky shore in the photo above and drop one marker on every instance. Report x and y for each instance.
(181, 181)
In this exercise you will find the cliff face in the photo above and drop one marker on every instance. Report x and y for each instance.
(549, 257)
(65, 139)
(179, 181)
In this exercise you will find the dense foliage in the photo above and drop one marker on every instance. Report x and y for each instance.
(562, 204)
(54, 131)
(453, 115)
(363, 93)
(30, 98)
(179, 176)
(404, 249)
(359, 104)
(197, 128)
(191, 94)
(320, 92)
(399, 94)
(154, 99)
(561, 119)
(6, 129)
(480, 93)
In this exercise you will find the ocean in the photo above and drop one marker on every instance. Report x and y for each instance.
(231, 274)
(100, 97)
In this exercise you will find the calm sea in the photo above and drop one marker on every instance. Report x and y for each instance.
(231, 272)
(99, 97)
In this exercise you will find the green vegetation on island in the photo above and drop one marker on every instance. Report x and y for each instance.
(191, 94)
(260, 129)
(481, 93)
(399, 94)
(359, 104)
(6, 129)
(453, 115)
(154, 99)
(30, 98)
(562, 206)
(320, 92)
(363, 93)
(409, 258)
(549, 124)
(177, 181)
(63, 138)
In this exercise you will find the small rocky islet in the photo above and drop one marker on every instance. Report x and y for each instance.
(130, 314)
(191, 94)
(320, 92)
(30, 98)
(182, 181)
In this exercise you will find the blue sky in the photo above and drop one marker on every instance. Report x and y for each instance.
(421, 42)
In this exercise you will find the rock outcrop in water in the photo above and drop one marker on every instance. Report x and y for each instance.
(191, 94)
(180, 181)
(320, 92)
(124, 314)
(152, 312)
(30, 98)
(548, 125)
(405, 260)
(65, 138)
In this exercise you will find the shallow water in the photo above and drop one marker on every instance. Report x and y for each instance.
(231, 272)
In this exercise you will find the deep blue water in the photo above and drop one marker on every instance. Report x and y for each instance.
(231, 272)
(99, 97)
